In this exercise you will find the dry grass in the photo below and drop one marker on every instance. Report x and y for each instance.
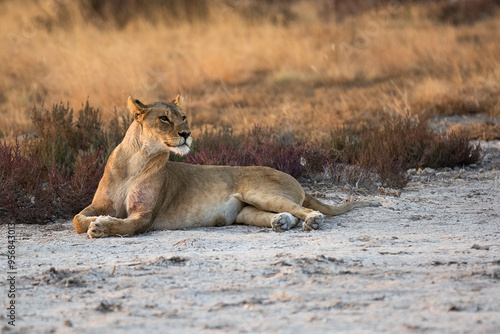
(293, 68)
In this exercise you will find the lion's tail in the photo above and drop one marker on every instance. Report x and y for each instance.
(329, 210)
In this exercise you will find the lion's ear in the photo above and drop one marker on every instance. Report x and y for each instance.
(137, 109)
(178, 100)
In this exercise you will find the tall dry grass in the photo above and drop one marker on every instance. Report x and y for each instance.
(285, 64)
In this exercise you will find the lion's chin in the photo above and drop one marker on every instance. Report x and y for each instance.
(180, 150)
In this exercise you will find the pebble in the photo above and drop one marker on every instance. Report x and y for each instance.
(428, 170)
(472, 165)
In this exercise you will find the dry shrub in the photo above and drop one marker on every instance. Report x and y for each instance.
(343, 8)
(468, 11)
(450, 150)
(258, 147)
(74, 191)
(401, 143)
(348, 155)
(54, 173)
(32, 193)
(60, 140)
(23, 193)
(121, 12)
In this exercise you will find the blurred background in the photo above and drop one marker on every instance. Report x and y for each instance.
(300, 66)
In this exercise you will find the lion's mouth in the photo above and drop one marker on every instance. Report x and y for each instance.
(178, 145)
(184, 142)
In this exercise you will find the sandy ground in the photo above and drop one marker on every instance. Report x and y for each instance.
(427, 261)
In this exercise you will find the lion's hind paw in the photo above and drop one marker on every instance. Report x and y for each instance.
(283, 221)
(313, 221)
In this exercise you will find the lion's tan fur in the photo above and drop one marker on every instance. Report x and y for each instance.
(142, 190)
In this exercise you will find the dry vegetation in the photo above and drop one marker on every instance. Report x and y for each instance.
(346, 86)
(299, 66)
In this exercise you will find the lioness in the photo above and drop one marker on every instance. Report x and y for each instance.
(142, 190)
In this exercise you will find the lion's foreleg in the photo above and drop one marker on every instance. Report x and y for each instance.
(82, 220)
(105, 226)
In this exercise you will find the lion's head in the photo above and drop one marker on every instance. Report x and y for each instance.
(164, 124)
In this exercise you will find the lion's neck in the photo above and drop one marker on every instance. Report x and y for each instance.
(140, 154)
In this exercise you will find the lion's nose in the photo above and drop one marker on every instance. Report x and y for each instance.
(185, 134)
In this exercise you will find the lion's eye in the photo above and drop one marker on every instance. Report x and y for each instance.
(184, 118)
(164, 119)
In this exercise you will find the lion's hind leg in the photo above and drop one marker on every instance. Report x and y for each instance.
(281, 204)
(280, 222)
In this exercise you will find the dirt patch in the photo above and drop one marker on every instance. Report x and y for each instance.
(428, 260)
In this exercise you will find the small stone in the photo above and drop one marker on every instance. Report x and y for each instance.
(411, 171)
(428, 170)
(472, 165)
(478, 247)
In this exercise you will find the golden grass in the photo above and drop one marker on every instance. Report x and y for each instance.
(299, 77)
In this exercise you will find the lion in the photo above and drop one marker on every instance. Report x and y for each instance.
(141, 190)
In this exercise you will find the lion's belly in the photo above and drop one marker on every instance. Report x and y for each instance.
(212, 213)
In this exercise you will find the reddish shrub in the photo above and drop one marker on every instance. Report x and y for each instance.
(60, 139)
(402, 143)
(467, 11)
(56, 173)
(31, 193)
(258, 147)
(23, 194)
(74, 191)
(450, 151)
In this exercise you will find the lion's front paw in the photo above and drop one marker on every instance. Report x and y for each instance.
(283, 221)
(313, 221)
(98, 229)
